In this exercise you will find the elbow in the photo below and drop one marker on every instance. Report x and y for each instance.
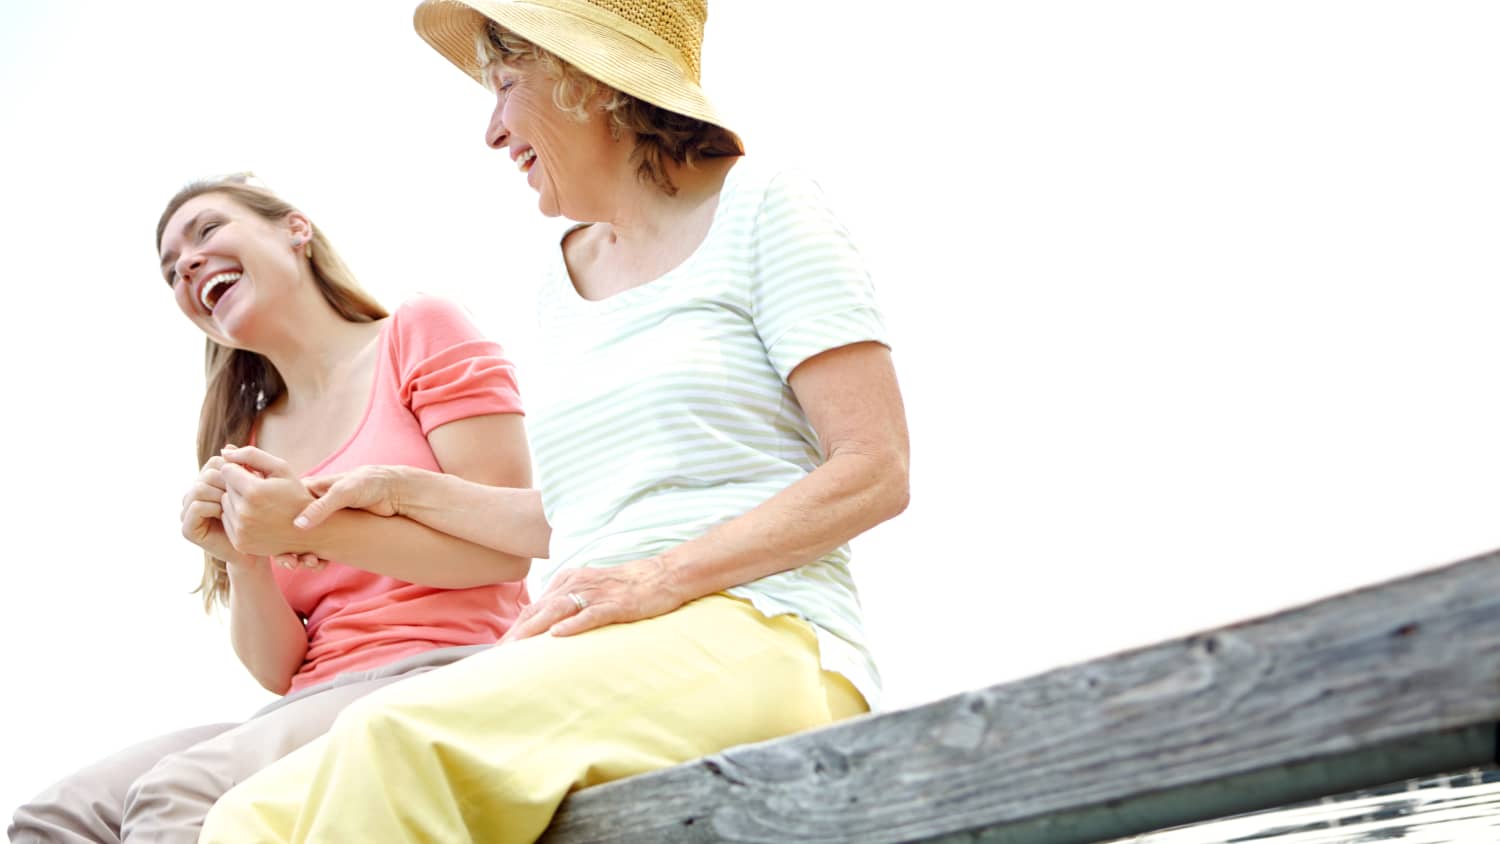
(886, 484)
(278, 685)
(896, 488)
(900, 499)
(881, 483)
(518, 568)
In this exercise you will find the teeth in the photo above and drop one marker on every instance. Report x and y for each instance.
(523, 161)
(211, 290)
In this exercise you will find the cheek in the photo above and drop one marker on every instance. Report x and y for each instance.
(511, 113)
(180, 296)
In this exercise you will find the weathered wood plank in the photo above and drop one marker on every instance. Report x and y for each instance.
(1396, 680)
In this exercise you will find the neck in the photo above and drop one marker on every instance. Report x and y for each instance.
(637, 212)
(314, 348)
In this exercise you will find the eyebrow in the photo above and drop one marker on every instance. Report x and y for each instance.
(171, 257)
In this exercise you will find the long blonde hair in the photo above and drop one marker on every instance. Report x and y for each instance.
(241, 383)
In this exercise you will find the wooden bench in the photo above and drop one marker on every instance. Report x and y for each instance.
(1397, 680)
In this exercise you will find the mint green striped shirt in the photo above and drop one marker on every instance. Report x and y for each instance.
(664, 410)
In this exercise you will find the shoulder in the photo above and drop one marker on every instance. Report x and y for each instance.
(424, 318)
(757, 182)
(426, 325)
(424, 309)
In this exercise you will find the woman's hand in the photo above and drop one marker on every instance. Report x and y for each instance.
(203, 513)
(261, 497)
(615, 595)
(369, 488)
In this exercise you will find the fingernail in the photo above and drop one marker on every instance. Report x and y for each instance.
(300, 521)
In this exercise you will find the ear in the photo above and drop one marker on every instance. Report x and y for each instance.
(299, 228)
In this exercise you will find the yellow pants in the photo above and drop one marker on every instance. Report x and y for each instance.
(485, 749)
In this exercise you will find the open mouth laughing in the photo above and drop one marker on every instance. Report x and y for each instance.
(214, 287)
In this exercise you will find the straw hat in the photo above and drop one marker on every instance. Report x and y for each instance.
(649, 49)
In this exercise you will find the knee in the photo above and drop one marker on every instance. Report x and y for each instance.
(73, 809)
(33, 823)
(174, 795)
(370, 718)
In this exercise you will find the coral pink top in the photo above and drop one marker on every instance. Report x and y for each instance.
(434, 367)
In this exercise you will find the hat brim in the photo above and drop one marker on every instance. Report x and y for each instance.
(612, 57)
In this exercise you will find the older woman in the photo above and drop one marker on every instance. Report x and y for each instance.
(725, 418)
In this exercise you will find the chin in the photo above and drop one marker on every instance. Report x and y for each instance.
(548, 210)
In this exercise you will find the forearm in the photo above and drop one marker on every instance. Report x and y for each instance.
(265, 631)
(847, 495)
(409, 550)
(508, 519)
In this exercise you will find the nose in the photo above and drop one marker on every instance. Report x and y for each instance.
(495, 134)
(188, 265)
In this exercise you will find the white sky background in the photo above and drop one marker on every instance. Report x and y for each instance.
(1193, 305)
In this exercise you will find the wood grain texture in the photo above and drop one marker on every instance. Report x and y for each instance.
(1399, 679)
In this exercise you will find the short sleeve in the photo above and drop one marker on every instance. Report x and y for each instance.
(811, 292)
(446, 369)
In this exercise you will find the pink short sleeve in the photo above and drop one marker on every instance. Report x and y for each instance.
(447, 369)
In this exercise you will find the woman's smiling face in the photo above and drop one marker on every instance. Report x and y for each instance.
(563, 157)
(227, 265)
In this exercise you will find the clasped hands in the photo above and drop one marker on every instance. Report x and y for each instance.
(245, 504)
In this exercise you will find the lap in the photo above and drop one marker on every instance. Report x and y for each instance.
(713, 665)
(485, 749)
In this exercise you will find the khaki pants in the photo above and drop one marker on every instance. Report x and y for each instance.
(486, 749)
(159, 791)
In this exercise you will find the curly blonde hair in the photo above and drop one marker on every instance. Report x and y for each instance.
(660, 135)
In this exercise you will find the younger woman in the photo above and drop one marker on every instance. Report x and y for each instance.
(305, 365)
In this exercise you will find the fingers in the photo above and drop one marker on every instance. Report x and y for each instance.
(267, 464)
(594, 615)
(199, 491)
(236, 478)
(540, 615)
(614, 595)
(293, 561)
(209, 477)
(320, 485)
(195, 518)
(230, 520)
(200, 509)
(203, 491)
(334, 497)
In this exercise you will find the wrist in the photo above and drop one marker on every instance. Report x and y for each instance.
(318, 538)
(671, 578)
(407, 490)
(242, 566)
(400, 488)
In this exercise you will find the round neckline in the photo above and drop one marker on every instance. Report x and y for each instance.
(364, 419)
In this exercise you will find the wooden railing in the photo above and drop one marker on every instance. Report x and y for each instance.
(1397, 680)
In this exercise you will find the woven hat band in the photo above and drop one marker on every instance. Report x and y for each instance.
(648, 39)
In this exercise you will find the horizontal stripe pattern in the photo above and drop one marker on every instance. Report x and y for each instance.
(664, 410)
